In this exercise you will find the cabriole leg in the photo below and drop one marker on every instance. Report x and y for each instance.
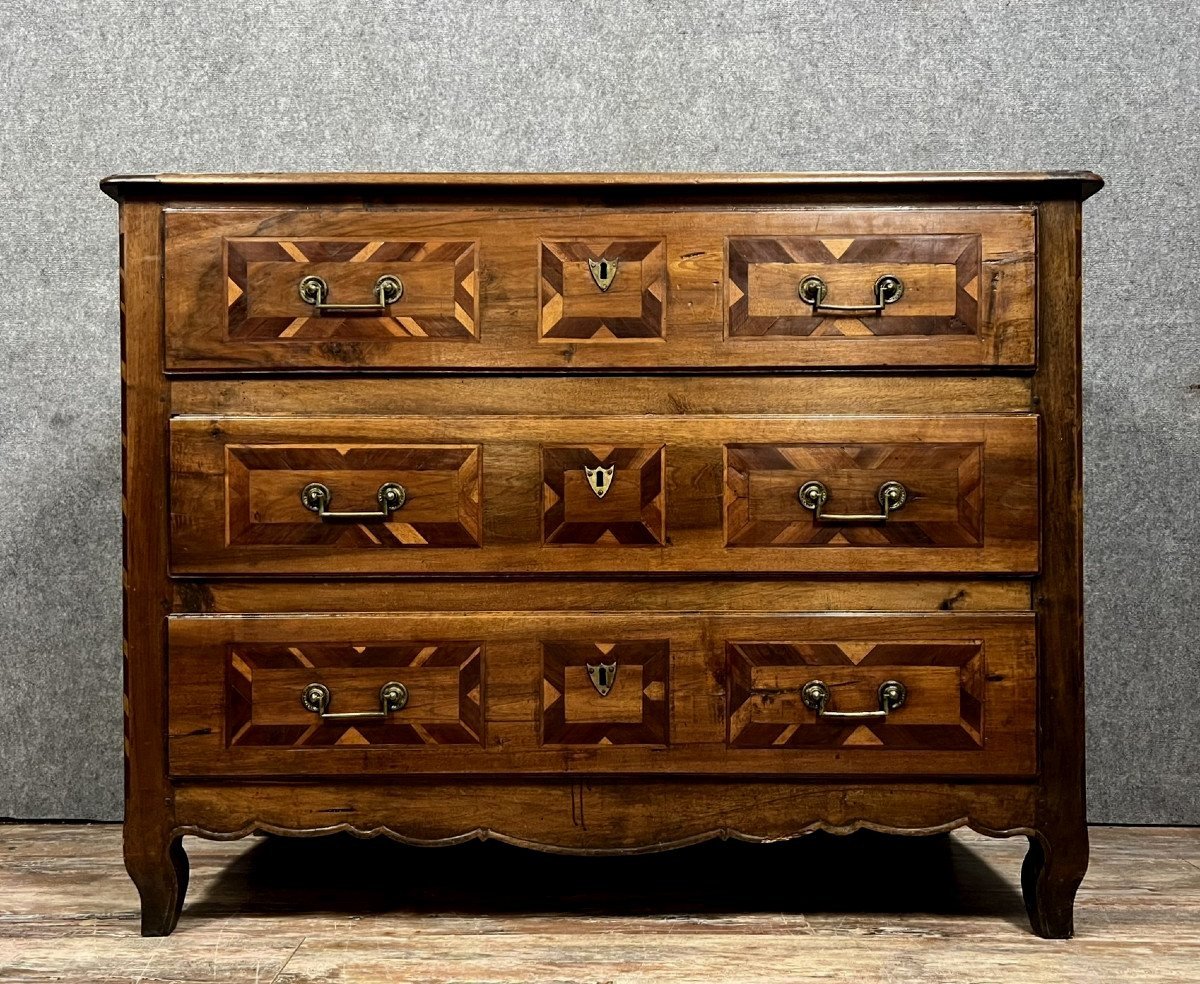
(160, 872)
(1050, 877)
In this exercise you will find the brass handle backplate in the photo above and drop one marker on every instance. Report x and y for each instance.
(888, 290)
(816, 696)
(317, 698)
(317, 497)
(891, 496)
(388, 290)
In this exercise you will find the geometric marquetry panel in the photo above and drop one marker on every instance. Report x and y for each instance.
(265, 682)
(631, 511)
(442, 507)
(571, 306)
(439, 299)
(943, 710)
(633, 712)
(940, 275)
(944, 482)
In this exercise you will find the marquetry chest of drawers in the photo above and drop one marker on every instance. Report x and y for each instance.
(602, 513)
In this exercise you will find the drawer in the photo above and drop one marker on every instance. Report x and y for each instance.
(549, 494)
(585, 288)
(632, 692)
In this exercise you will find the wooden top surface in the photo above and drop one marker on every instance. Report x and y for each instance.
(1007, 184)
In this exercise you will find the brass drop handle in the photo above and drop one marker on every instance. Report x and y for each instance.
(888, 290)
(388, 289)
(816, 695)
(317, 497)
(891, 496)
(317, 698)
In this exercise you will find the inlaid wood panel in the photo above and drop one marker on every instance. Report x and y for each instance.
(264, 683)
(439, 297)
(632, 712)
(572, 306)
(263, 507)
(940, 275)
(944, 504)
(719, 515)
(969, 298)
(679, 698)
(628, 509)
(943, 707)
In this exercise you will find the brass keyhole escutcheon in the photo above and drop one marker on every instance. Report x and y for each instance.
(603, 676)
(603, 271)
(599, 479)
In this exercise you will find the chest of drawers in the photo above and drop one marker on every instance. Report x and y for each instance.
(602, 513)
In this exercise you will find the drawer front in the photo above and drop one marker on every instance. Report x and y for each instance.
(583, 289)
(631, 692)
(837, 693)
(439, 504)
(606, 494)
(265, 300)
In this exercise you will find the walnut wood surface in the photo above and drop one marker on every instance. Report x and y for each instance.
(729, 482)
(1058, 855)
(528, 700)
(153, 856)
(225, 596)
(688, 297)
(504, 576)
(597, 395)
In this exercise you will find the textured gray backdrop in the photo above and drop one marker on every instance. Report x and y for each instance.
(127, 86)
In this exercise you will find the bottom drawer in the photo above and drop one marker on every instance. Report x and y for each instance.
(546, 693)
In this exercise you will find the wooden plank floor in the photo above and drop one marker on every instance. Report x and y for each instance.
(865, 908)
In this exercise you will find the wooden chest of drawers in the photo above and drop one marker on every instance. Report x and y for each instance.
(602, 513)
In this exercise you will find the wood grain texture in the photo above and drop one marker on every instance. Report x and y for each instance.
(951, 912)
(539, 309)
(597, 395)
(263, 507)
(1058, 856)
(943, 681)
(153, 856)
(439, 282)
(710, 504)
(443, 705)
(571, 305)
(588, 817)
(231, 597)
(636, 711)
(535, 695)
(939, 273)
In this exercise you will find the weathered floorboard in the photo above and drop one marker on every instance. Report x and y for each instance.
(863, 909)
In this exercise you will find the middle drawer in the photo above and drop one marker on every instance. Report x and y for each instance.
(662, 494)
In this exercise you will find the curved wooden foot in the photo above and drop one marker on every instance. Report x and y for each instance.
(1050, 877)
(160, 873)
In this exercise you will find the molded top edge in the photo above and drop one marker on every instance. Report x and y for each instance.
(158, 186)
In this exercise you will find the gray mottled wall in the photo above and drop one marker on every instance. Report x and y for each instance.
(123, 86)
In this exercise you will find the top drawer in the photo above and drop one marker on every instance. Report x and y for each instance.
(586, 289)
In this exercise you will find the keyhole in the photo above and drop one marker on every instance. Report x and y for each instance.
(604, 269)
